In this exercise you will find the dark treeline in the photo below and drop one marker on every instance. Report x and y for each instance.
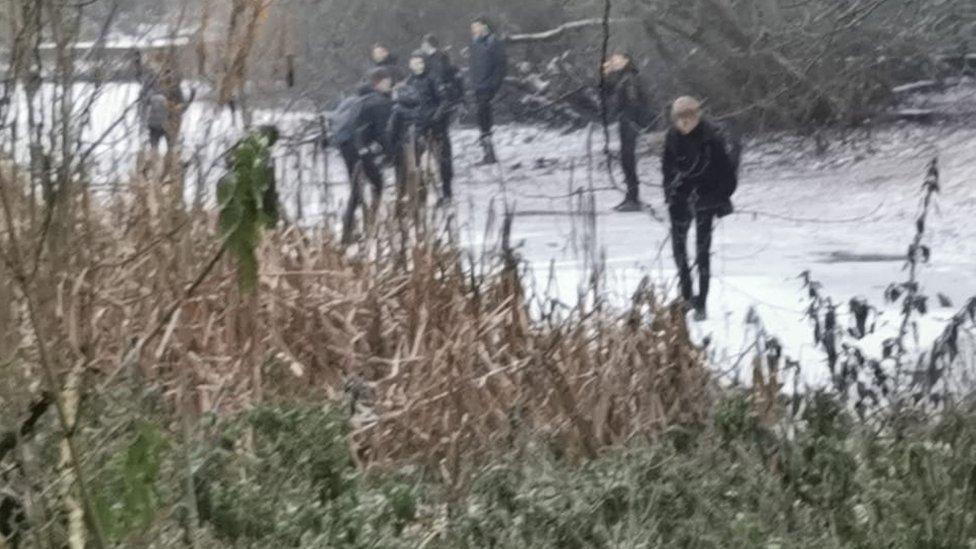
(770, 63)
(767, 63)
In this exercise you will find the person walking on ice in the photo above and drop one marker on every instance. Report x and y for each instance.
(700, 176)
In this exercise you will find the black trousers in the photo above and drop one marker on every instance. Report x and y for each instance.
(359, 167)
(437, 140)
(157, 134)
(628, 158)
(682, 216)
(440, 143)
(483, 110)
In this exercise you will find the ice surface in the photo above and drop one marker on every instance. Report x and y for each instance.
(846, 216)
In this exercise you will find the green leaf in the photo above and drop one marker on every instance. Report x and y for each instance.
(243, 213)
(128, 500)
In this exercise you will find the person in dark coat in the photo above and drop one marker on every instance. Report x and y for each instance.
(361, 152)
(163, 103)
(489, 65)
(438, 61)
(381, 58)
(451, 91)
(418, 106)
(418, 99)
(699, 180)
(629, 107)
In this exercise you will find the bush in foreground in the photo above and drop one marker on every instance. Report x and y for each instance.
(728, 483)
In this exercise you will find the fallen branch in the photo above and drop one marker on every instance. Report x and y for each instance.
(553, 34)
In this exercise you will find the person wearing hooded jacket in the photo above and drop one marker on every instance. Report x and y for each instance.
(489, 65)
(370, 141)
(699, 180)
(629, 106)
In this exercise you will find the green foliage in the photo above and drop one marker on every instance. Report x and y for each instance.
(299, 487)
(830, 483)
(243, 195)
(129, 500)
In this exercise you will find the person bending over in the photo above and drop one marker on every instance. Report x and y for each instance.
(360, 134)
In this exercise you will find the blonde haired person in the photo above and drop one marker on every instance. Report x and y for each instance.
(700, 177)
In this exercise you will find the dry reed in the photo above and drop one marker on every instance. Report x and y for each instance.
(437, 356)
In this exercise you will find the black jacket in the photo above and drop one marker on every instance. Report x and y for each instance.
(419, 99)
(373, 119)
(628, 98)
(488, 64)
(698, 171)
(439, 66)
(445, 74)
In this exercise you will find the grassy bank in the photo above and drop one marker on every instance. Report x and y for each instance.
(820, 479)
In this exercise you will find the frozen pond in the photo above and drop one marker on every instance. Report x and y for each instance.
(847, 217)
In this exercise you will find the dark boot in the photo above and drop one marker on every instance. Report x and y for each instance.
(701, 312)
(629, 205)
(489, 149)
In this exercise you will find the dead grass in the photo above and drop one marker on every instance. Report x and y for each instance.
(436, 354)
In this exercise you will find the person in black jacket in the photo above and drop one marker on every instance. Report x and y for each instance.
(488, 67)
(418, 98)
(440, 66)
(361, 151)
(699, 180)
(629, 105)
(417, 105)
(450, 90)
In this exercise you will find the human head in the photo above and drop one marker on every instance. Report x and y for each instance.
(418, 64)
(617, 62)
(686, 114)
(381, 80)
(380, 53)
(480, 27)
(430, 43)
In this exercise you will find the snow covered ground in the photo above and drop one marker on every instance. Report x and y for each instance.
(848, 219)
(847, 216)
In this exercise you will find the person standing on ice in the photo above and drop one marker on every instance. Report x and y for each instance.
(699, 179)
(417, 104)
(164, 103)
(489, 65)
(629, 106)
(157, 119)
(450, 88)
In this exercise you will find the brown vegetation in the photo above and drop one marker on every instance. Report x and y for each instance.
(437, 354)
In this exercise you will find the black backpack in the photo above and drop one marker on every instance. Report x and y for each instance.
(344, 121)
